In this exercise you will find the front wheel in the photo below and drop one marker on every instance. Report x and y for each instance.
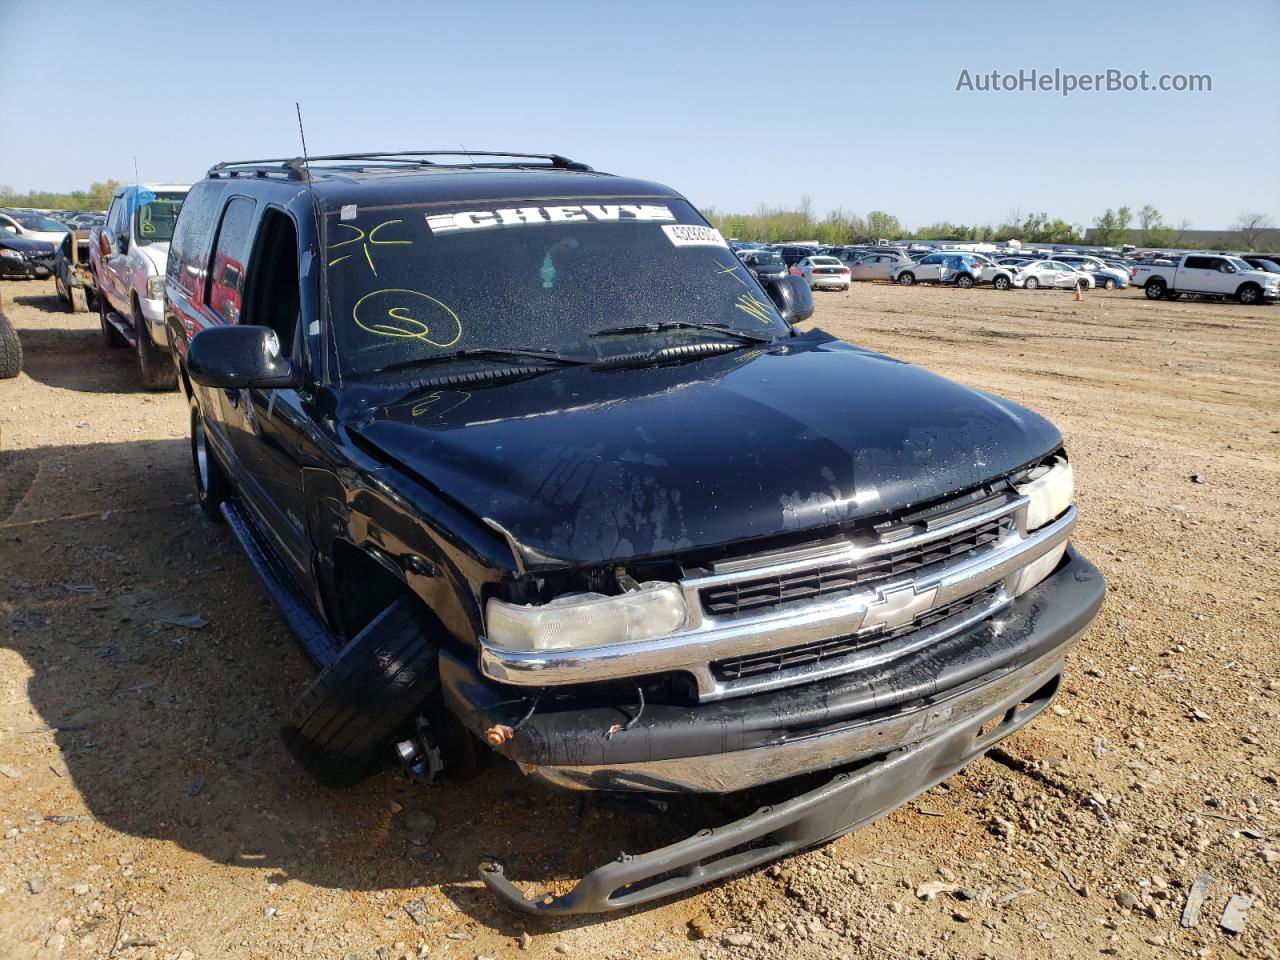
(155, 368)
(907, 278)
(10, 350)
(77, 301)
(1249, 294)
(1032, 283)
(342, 728)
(1109, 284)
(212, 486)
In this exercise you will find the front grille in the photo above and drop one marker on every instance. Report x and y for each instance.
(755, 594)
(776, 661)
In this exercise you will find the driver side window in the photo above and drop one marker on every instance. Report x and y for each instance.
(272, 296)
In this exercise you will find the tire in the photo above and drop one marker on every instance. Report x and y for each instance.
(1108, 284)
(10, 350)
(1000, 283)
(77, 300)
(1249, 294)
(111, 337)
(1031, 283)
(906, 278)
(964, 281)
(212, 486)
(155, 366)
(845, 288)
(1155, 288)
(342, 728)
(59, 289)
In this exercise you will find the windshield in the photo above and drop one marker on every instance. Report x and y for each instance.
(154, 219)
(40, 224)
(414, 282)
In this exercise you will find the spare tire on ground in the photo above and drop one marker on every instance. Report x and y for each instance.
(10, 349)
(343, 727)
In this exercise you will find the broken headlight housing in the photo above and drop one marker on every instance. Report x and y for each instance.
(155, 287)
(578, 620)
(1051, 489)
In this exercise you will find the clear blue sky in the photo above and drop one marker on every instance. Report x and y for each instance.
(733, 103)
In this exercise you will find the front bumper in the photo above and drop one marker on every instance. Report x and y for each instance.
(908, 750)
(726, 745)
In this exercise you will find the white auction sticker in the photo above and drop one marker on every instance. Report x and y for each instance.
(693, 235)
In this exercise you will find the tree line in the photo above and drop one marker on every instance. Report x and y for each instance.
(775, 224)
(97, 197)
(1111, 228)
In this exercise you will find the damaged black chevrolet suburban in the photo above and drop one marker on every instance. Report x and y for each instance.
(534, 466)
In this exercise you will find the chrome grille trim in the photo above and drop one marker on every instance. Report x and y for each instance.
(706, 639)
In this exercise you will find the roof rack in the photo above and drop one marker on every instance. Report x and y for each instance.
(296, 168)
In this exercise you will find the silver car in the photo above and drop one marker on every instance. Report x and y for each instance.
(875, 266)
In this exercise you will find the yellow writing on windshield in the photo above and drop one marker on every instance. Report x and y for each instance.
(408, 314)
(753, 305)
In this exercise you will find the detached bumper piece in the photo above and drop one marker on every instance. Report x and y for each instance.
(850, 800)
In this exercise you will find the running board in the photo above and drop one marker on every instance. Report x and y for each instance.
(310, 630)
(124, 329)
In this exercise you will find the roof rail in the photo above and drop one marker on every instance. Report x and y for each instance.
(296, 168)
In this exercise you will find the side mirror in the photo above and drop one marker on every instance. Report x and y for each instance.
(238, 358)
(105, 242)
(792, 296)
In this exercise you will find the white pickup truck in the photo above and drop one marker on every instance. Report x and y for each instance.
(1208, 275)
(128, 255)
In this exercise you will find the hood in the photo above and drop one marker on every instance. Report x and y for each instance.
(583, 466)
(13, 242)
(156, 255)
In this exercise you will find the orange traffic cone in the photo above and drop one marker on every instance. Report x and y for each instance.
(1079, 295)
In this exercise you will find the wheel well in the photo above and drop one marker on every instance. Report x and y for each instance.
(363, 586)
(1247, 284)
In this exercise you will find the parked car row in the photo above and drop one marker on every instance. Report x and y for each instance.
(1248, 278)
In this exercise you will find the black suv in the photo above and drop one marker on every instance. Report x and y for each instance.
(535, 467)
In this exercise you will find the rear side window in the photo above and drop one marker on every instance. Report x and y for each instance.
(226, 272)
(1201, 263)
(189, 251)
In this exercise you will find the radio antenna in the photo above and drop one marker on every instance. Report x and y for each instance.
(303, 134)
(307, 162)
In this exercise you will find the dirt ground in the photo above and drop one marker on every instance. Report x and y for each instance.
(149, 810)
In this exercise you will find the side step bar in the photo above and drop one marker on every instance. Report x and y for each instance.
(124, 329)
(310, 630)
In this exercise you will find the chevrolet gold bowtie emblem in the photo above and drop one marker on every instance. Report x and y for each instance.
(897, 607)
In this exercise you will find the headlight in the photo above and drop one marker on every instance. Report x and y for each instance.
(1052, 489)
(155, 287)
(587, 619)
(11, 254)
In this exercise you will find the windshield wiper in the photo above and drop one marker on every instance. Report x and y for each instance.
(498, 352)
(685, 325)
